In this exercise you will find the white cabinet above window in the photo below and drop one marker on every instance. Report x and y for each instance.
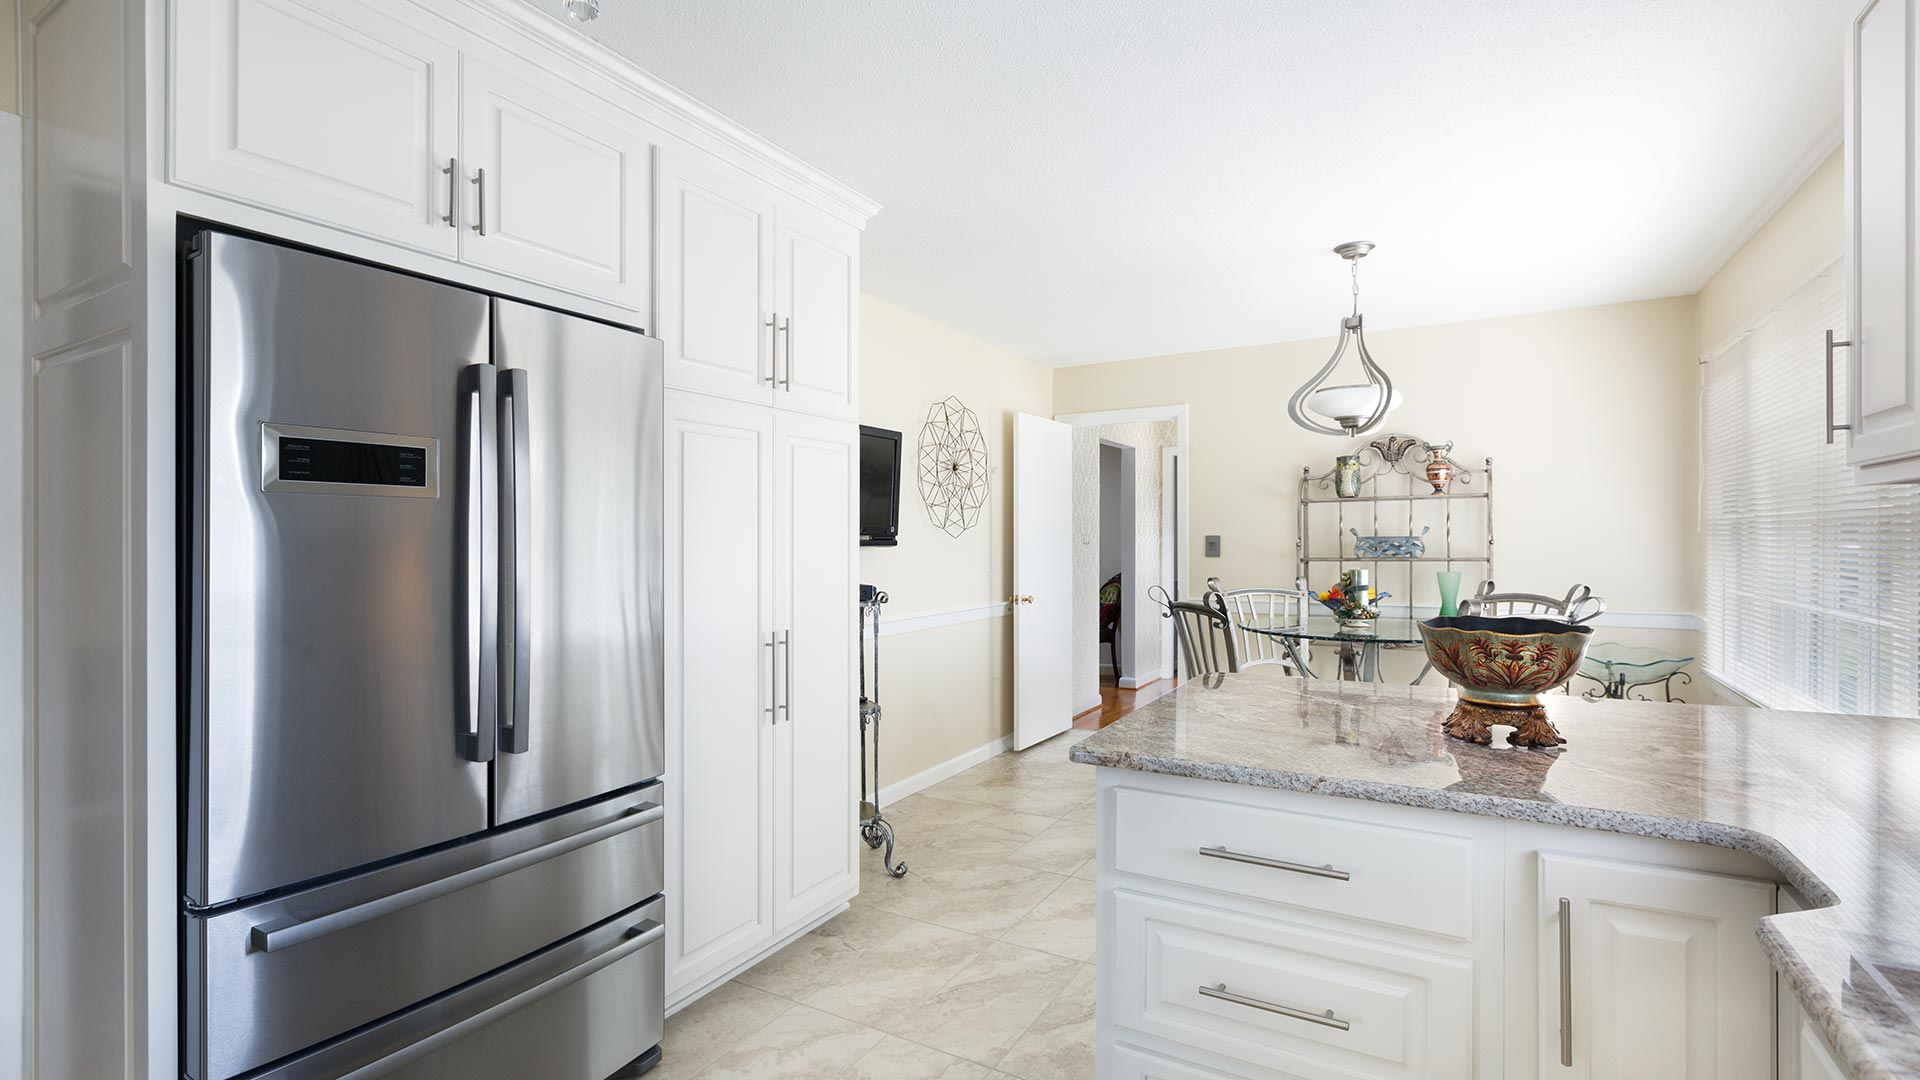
(1883, 294)
(336, 112)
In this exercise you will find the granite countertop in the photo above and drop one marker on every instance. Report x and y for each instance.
(1832, 801)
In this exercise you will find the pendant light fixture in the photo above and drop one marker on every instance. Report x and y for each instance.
(582, 10)
(1356, 408)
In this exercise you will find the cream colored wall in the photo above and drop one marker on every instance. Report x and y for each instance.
(1798, 241)
(945, 690)
(9, 56)
(1589, 415)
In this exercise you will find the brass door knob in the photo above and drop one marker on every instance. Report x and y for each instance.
(1019, 599)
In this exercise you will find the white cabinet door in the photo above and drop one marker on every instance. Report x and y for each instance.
(1659, 971)
(1884, 391)
(817, 303)
(713, 274)
(555, 185)
(339, 112)
(719, 685)
(816, 478)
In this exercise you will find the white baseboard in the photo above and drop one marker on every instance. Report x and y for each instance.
(1087, 703)
(1137, 683)
(926, 778)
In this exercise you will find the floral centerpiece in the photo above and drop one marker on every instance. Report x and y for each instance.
(1352, 601)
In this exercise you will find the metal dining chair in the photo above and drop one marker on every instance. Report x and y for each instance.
(1260, 607)
(1204, 634)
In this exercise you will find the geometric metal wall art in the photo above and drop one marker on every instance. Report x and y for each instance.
(953, 467)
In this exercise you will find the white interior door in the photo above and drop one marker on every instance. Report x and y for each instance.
(1042, 579)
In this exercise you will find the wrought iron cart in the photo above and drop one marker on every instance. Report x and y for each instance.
(875, 829)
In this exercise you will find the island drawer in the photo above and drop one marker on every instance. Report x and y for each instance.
(1395, 875)
(1306, 1002)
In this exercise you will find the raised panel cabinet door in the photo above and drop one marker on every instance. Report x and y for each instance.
(338, 112)
(556, 185)
(815, 797)
(720, 655)
(713, 279)
(1659, 971)
(1884, 391)
(817, 305)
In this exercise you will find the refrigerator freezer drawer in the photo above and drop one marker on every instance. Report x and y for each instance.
(581, 1010)
(270, 979)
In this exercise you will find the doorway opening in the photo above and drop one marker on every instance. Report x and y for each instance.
(1118, 617)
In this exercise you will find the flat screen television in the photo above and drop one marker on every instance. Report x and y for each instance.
(879, 487)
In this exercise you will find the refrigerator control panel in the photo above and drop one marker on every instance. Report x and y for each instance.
(331, 461)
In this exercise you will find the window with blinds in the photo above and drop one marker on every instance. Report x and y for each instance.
(1813, 581)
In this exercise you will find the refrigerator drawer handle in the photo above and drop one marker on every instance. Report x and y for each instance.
(646, 933)
(287, 935)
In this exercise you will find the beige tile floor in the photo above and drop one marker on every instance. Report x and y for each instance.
(978, 963)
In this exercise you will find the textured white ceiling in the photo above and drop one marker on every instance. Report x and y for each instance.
(1086, 180)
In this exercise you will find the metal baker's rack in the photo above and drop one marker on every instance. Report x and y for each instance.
(875, 829)
(1396, 498)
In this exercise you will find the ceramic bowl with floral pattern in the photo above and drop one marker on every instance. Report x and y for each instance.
(1504, 662)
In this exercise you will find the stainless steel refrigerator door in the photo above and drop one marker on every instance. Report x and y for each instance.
(331, 657)
(583, 660)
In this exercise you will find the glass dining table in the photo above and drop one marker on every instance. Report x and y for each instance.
(1359, 649)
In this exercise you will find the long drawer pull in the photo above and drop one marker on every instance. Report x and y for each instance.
(1275, 864)
(641, 936)
(1566, 982)
(287, 935)
(1325, 1019)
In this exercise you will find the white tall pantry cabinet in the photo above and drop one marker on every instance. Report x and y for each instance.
(484, 143)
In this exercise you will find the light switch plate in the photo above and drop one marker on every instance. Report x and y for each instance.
(1213, 547)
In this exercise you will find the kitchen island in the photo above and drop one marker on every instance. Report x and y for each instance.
(1302, 878)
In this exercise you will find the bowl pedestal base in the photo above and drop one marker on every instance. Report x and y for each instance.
(1473, 722)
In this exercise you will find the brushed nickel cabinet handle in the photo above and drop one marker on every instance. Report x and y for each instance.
(773, 675)
(453, 193)
(480, 201)
(1566, 982)
(786, 327)
(1831, 426)
(786, 697)
(1276, 864)
(773, 352)
(1324, 1019)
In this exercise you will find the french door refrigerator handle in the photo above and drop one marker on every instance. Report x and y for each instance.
(516, 568)
(287, 935)
(647, 932)
(482, 591)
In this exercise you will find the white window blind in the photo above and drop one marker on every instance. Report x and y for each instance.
(1813, 581)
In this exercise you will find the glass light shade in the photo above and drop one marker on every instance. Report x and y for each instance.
(1349, 405)
(583, 10)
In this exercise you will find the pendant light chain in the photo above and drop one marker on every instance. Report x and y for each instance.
(1354, 266)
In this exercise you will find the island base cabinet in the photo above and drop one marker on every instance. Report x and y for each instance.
(1651, 972)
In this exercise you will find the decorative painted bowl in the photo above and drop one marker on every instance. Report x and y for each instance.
(1502, 666)
(1504, 662)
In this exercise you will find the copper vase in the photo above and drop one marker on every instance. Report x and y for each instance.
(1439, 470)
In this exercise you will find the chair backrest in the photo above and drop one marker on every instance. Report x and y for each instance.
(1259, 607)
(1578, 606)
(1204, 637)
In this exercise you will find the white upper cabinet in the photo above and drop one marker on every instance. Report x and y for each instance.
(713, 273)
(1883, 392)
(1657, 970)
(817, 300)
(337, 112)
(555, 186)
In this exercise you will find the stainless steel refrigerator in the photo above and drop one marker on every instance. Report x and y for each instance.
(422, 737)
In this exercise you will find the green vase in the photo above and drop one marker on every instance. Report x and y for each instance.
(1449, 593)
